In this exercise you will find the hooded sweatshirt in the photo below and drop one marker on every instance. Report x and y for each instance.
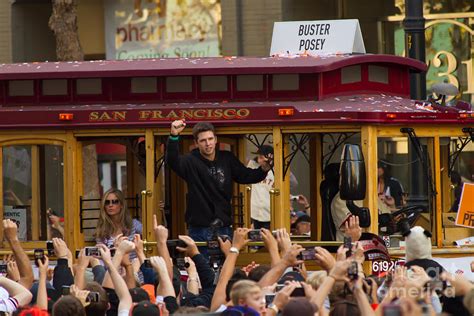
(209, 183)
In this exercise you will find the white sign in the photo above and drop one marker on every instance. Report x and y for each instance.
(461, 266)
(18, 215)
(159, 29)
(317, 37)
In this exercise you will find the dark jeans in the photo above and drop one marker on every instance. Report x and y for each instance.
(258, 224)
(204, 234)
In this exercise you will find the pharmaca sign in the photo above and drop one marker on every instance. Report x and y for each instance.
(317, 37)
(159, 29)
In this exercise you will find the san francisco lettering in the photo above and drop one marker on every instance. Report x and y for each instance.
(194, 114)
(167, 115)
(107, 116)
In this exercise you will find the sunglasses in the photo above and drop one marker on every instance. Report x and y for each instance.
(113, 202)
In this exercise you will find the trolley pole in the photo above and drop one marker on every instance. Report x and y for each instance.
(414, 24)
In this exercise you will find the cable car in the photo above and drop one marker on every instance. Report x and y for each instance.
(71, 130)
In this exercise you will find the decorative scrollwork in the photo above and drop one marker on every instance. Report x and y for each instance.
(138, 148)
(255, 141)
(460, 143)
(296, 145)
(336, 143)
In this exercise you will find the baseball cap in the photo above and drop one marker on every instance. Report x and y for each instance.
(150, 289)
(145, 308)
(264, 150)
(303, 219)
(291, 276)
(139, 295)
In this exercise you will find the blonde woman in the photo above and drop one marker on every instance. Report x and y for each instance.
(114, 220)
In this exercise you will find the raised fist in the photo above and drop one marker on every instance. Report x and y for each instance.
(177, 127)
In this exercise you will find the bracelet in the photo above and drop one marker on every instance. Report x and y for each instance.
(273, 307)
(174, 137)
(332, 277)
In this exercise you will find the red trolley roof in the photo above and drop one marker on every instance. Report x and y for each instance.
(328, 89)
(197, 66)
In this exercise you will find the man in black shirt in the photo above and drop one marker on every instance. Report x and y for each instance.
(209, 174)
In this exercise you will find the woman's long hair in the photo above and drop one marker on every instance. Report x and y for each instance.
(105, 226)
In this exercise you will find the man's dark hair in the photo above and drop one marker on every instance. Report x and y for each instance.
(258, 273)
(237, 276)
(68, 306)
(100, 307)
(138, 295)
(202, 127)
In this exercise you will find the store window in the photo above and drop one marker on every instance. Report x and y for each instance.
(33, 188)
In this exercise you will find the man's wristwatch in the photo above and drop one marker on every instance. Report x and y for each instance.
(234, 250)
(274, 308)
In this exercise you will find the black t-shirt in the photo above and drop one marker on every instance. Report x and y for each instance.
(210, 183)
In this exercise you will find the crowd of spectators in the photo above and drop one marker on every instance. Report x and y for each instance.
(109, 282)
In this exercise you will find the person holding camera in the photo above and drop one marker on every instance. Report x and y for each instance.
(209, 174)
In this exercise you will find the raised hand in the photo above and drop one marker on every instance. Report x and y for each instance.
(291, 256)
(283, 239)
(119, 239)
(352, 228)
(12, 271)
(191, 267)
(126, 246)
(83, 260)
(158, 263)
(283, 296)
(81, 295)
(138, 242)
(324, 258)
(269, 240)
(10, 230)
(105, 254)
(60, 248)
(358, 253)
(161, 232)
(339, 271)
(224, 245)
(240, 238)
(177, 127)
(191, 249)
(43, 267)
(341, 253)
